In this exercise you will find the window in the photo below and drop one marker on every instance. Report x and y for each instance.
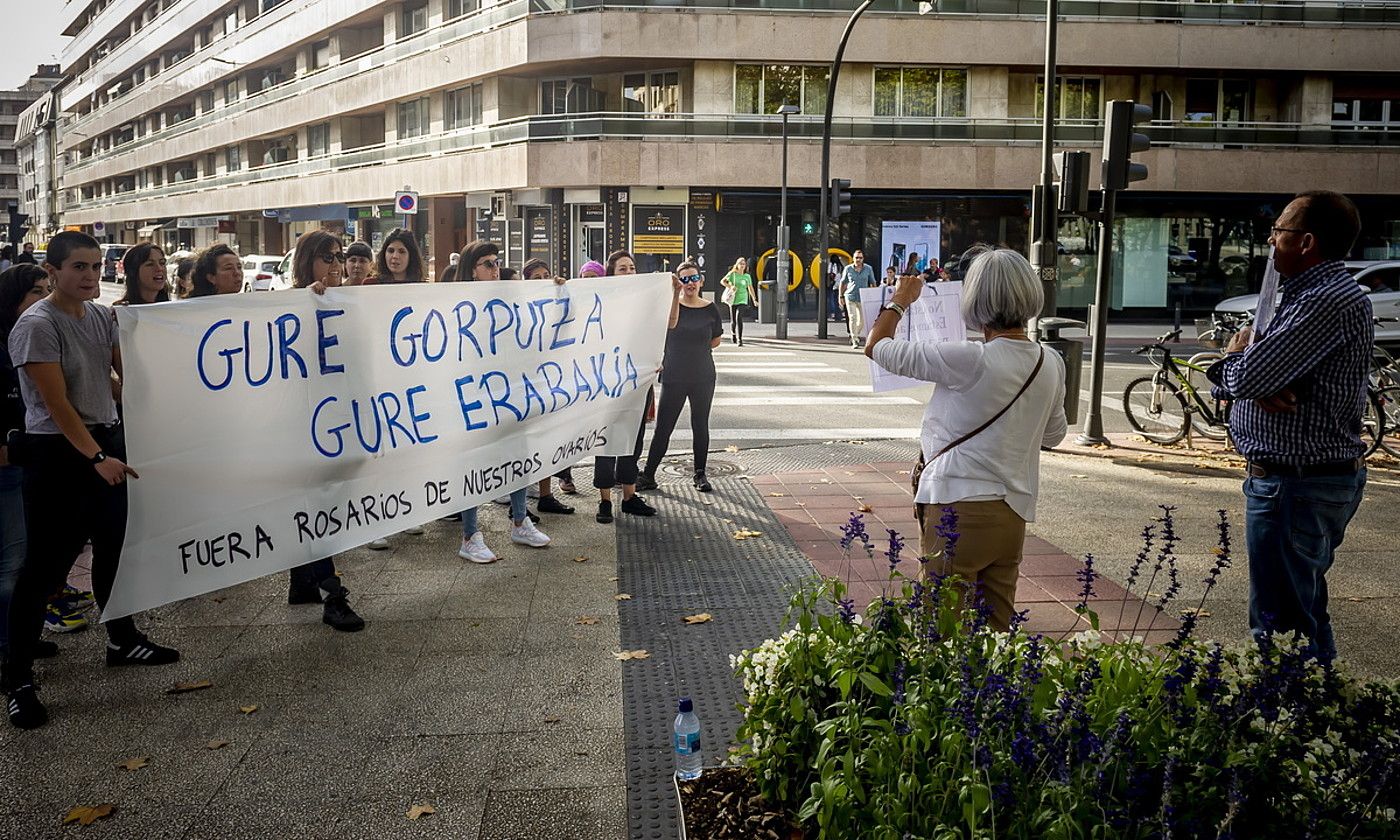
(1366, 113)
(318, 140)
(206, 101)
(413, 118)
(1225, 101)
(464, 107)
(569, 96)
(920, 92)
(655, 93)
(233, 158)
(761, 88)
(414, 19)
(457, 8)
(1077, 99)
(231, 90)
(321, 55)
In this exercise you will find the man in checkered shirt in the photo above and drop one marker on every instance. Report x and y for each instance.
(1299, 388)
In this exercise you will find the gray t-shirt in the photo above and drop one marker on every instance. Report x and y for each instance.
(83, 349)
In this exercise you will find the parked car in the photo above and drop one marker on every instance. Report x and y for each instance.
(112, 270)
(1380, 278)
(260, 274)
(284, 269)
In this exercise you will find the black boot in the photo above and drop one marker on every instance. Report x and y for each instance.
(550, 504)
(701, 482)
(337, 612)
(646, 480)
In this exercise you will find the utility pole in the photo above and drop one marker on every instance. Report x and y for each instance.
(823, 257)
(1045, 222)
(780, 322)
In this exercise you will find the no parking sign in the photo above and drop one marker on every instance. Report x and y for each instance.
(406, 202)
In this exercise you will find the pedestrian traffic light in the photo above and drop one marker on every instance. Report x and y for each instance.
(1073, 169)
(19, 226)
(1120, 142)
(840, 197)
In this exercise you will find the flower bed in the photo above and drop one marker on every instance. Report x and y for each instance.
(914, 719)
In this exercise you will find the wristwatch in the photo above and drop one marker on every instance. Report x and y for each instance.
(98, 458)
(896, 307)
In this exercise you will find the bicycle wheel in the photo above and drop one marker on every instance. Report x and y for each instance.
(1373, 427)
(1156, 409)
(1389, 401)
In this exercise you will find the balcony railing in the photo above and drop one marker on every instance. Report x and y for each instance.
(751, 127)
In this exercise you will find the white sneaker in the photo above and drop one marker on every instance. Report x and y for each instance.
(416, 531)
(476, 551)
(527, 534)
(377, 545)
(502, 500)
(531, 492)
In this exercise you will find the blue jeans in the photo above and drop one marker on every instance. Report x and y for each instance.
(517, 514)
(1293, 527)
(12, 540)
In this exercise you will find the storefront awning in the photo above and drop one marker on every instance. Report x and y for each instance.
(154, 228)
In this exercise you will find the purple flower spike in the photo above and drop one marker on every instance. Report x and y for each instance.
(896, 546)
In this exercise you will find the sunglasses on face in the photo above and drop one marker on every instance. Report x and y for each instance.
(330, 258)
(691, 278)
(488, 263)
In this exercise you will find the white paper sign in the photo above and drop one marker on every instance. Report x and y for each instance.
(1268, 298)
(274, 429)
(935, 316)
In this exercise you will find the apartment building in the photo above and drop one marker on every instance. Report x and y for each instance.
(567, 128)
(16, 146)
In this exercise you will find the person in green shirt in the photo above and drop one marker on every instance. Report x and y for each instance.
(738, 294)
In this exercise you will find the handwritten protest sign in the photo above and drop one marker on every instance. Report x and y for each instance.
(935, 316)
(271, 430)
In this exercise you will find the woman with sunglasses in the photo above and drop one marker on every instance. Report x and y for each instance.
(318, 265)
(687, 374)
(399, 260)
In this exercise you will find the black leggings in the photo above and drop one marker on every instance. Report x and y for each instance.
(736, 319)
(673, 397)
(66, 505)
(609, 472)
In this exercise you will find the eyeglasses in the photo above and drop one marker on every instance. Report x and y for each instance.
(488, 263)
(339, 256)
(1277, 229)
(691, 279)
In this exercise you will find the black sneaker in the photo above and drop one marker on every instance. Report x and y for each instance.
(646, 481)
(337, 612)
(26, 712)
(549, 504)
(303, 595)
(604, 516)
(637, 506)
(45, 649)
(701, 482)
(534, 517)
(140, 651)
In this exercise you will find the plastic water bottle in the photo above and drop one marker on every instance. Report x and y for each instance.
(686, 740)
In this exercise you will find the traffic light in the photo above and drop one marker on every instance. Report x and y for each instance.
(1120, 142)
(1073, 169)
(840, 198)
(19, 226)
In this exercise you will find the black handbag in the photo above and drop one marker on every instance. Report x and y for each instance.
(17, 448)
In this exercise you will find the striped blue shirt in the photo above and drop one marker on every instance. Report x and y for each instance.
(1318, 346)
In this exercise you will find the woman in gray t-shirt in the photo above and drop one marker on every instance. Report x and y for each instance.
(74, 453)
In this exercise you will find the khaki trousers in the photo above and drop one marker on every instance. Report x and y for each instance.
(991, 537)
(855, 320)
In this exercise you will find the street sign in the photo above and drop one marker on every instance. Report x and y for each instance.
(406, 202)
(98, 228)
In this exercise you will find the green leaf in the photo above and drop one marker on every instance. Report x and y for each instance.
(844, 681)
(875, 684)
(797, 708)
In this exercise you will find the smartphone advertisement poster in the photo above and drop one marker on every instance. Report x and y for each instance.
(908, 247)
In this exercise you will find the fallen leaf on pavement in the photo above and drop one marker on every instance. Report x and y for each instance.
(216, 744)
(1079, 476)
(612, 580)
(580, 559)
(826, 481)
(631, 654)
(248, 710)
(1196, 611)
(551, 718)
(89, 814)
(746, 534)
(134, 763)
(195, 685)
(422, 809)
(864, 508)
(731, 448)
(586, 619)
(622, 596)
(777, 495)
(698, 618)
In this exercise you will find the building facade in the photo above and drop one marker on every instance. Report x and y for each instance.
(567, 128)
(18, 110)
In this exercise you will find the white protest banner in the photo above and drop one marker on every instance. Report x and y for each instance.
(935, 316)
(274, 429)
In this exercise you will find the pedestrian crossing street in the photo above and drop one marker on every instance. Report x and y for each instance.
(769, 396)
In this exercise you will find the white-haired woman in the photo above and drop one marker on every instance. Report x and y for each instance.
(998, 401)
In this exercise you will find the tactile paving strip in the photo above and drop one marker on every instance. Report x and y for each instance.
(682, 562)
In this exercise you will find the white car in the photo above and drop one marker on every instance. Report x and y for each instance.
(260, 274)
(1380, 278)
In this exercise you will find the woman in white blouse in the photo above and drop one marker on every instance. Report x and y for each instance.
(998, 401)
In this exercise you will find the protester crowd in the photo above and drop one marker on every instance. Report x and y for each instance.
(1298, 385)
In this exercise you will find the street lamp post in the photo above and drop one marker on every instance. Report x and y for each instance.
(1044, 218)
(784, 260)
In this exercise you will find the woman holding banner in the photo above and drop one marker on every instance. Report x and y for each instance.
(144, 265)
(217, 271)
(481, 261)
(74, 451)
(318, 264)
(399, 259)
